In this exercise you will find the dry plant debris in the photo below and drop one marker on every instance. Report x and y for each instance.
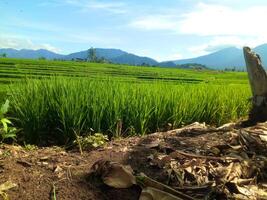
(193, 162)
(236, 169)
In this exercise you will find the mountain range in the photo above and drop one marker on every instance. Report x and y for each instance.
(112, 55)
(230, 57)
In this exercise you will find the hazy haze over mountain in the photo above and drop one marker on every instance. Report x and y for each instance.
(229, 57)
(113, 55)
(226, 58)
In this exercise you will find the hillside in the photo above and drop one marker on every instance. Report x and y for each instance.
(262, 51)
(132, 59)
(226, 58)
(30, 54)
(231, 57)
(113, 55)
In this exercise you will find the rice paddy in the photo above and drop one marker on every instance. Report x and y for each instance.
(58, 100)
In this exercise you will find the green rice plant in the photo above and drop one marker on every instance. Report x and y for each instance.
(51, 109)
(31, 110)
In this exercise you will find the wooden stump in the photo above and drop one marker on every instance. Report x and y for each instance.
(258, 82)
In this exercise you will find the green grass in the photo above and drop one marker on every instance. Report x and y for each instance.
(16, 69)
(54, 100)
(58, 107)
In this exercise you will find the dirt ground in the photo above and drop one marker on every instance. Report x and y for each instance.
(44, 172)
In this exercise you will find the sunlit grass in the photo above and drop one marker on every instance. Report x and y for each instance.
(57, 107)
(53, 100)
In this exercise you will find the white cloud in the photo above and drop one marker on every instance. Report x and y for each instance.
(222, 26)
(22, 43)
(214, 20)
(85, 5)
(117, 8)
(155, 22)
(209, 20)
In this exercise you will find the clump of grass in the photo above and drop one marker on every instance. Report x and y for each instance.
(55, 107)
(30, 147)
(89, 141)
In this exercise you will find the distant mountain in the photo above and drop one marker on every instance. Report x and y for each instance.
(229, 57)
(113, 55)
(131, 59)
(262, 51)
(226, 58)
(31, 54)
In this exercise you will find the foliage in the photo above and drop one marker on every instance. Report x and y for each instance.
(192, 66)
(58, 106)
(30, 147)
(6, 131)
(92, 55)
(96, 140)
(42, 58)
(86, 95)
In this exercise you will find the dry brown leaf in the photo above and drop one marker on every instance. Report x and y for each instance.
(250, 192)
(119, 177)
(243, 197)
(236, 147)
(249, 168)
(150, 193)
(263, 138)
(235, 172)
(260, 192)
(245, 191)
(179, 174)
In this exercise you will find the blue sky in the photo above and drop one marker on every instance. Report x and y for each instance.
(161, 29)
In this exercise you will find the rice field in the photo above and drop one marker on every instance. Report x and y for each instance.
(56, 100)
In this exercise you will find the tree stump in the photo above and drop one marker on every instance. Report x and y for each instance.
(258, 82)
